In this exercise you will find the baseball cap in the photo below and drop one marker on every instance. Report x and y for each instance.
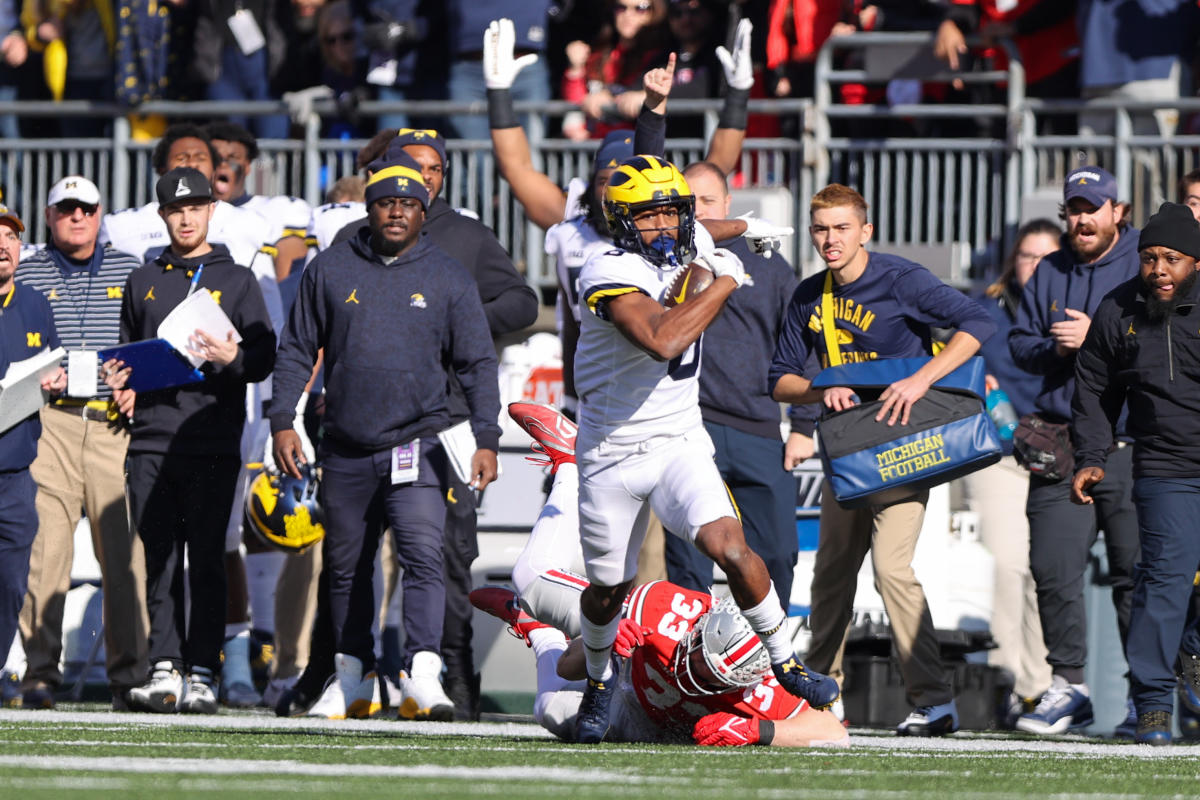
(398, 176)
(1093, 184)
(426, 136)
(74, 187)
(8, 216)
(182, 183)
(616, 147)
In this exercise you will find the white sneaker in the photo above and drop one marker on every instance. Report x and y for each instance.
(199, 697)
(162, 693)
(422, 690)
(339, 689)
(368, 701)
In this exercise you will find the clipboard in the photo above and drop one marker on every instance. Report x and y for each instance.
(156, 365)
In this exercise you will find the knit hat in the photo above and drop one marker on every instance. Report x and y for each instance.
(1172, 226)
(426, 136)
(397, 176)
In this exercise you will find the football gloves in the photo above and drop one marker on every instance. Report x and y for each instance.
(739, 72)
(630, 636)
(763, 237)
(723, 264)
(499, 67)
(725, 730)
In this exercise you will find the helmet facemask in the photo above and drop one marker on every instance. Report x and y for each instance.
(720, 653)
(645, 183)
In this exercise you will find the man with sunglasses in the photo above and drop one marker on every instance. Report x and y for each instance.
(81, 457)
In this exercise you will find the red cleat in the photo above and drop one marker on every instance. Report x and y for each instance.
(553, 434)
(502, 603)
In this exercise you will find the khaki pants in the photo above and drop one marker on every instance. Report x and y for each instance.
(295, 610)
(890, 532)
(997, 494)
(81, 465)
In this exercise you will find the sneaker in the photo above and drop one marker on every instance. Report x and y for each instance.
(367, 701)
(1189, 720)
(237, 681)
(275, 690)
(463, 691)
(821, 691)
(39, 696)
(1189, 681)
(161, 694)
(421, 690)
(1154, 728)
(240, 695)
(10, 689)
(1013, 707)
(340, 689)
(262, 655)
(199, 697)
(553, 434)
(591, 722)
(1064, 706)
(294, 701)
(930, 721)
(120, 698)
(503, 604)
(1128, 727)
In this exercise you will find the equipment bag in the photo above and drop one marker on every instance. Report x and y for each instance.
(949, 432)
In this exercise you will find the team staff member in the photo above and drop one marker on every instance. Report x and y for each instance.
(26, 329)
(509, 305)
(1098, 254)
(886, 307)
(1142, 348)
(81, 456)
(382, 462)
(184, 448)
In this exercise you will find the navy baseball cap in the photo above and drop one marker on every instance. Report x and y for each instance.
(616, 148)
(399, 176)
(182, 183)
(1093, 184)
(426, 136)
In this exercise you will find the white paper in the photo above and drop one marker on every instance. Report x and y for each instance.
(197, 312)
(459, 444)
(21, 391)
(246, 32)
(82, 369)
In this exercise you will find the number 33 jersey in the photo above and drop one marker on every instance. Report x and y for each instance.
(626, 395)
(670, 611)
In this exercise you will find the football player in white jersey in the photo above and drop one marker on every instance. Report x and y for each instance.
(641, 442)
(237, 150)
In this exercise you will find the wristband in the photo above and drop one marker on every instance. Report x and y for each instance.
(766, 732)
(733, 113)
(500, 109)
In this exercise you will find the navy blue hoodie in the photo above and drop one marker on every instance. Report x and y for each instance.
(1060, 283)
(390, 332)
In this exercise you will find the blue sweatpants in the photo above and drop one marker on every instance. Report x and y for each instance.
(18, 527)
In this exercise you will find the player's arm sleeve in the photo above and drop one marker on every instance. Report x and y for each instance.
(302, 337)
(650, 133)
(473, 357)
(1099, 394)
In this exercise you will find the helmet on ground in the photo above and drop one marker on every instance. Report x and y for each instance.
(721, 652)
(644, 183)
(283, 511)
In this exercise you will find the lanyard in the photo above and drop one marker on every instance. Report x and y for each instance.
(832, 348)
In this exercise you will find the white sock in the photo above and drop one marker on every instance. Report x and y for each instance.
(546, 640)
(597, 646)
(769, 622)
(236, 666)
(262, 575)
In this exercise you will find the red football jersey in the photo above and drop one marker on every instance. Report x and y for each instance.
(670, 611)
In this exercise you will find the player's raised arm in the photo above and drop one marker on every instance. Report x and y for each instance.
(544, 202)
(725, 147)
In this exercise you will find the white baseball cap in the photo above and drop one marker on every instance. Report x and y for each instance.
(74, 187)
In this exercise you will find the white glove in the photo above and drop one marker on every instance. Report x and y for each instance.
(764, 237)
(723, 264)
(499, 66)
(739, 72)
(300, 104)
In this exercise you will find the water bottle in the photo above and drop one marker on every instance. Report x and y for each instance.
(1001, 410)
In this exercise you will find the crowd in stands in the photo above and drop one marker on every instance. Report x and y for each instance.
(591, 52)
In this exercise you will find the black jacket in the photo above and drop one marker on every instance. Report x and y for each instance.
(201, 418)
(508, 301)
(1155, 367)
(391, 333)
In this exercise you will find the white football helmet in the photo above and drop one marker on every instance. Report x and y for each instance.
(721, 652)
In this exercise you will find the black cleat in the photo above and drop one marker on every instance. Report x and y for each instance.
(821, 691)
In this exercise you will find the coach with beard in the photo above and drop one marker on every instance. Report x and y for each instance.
(1143, 348)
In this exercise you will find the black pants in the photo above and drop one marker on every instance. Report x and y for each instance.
(765, 493)
(461, 549)
(18, 527)
(1061, 535)
(179, 501)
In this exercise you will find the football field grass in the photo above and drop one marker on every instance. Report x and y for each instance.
(87, 752)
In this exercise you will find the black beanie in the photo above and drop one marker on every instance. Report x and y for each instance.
(1174, 227)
